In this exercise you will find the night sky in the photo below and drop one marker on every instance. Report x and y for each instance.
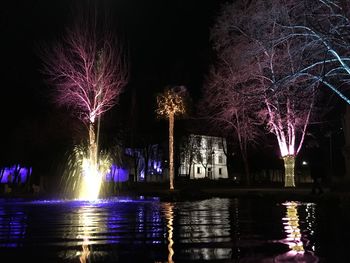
(167, 42)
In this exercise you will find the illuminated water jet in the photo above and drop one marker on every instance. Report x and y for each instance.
(84, 176)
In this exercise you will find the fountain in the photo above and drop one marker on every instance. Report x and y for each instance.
(83, 176)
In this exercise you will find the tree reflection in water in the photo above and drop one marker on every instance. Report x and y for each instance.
(169, 216)
(294, 239)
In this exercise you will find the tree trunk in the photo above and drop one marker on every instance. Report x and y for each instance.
(92, 145)
(346, 149)
(171, 150)
(136, 165)
(1, 174)
(189, 169)
(289, 163)
(246, 169)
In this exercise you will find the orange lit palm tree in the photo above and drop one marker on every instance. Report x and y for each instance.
(171, 103)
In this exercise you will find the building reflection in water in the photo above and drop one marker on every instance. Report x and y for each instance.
(169, 216)
(205, 230)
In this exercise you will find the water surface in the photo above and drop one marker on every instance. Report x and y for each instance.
(147, 230)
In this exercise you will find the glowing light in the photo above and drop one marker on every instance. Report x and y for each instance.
(8, 174)
(86, 251)
(289, 163)
(304, 163)
(171, 103)
(86, 222)
(291, 227)
(84, 176)
(117, 174)
(92, 179)
(169, 215)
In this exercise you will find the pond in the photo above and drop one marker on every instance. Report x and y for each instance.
(148, 230)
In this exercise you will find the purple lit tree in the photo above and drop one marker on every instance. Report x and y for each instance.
(255, 62)
(88, 70)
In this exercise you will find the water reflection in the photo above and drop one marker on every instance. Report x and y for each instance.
(13, 226)
(204, 230)
(169, 216)
(310, 220)
(85, 214)
(291, 227)
(297, 242)
(217, 229)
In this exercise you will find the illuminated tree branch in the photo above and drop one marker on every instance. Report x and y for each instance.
(247, 36)
(87, 72)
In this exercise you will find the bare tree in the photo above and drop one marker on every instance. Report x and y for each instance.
(189, 149)
(248, 41)
(88, 70)
(205, 154)
(324, 28)
(171, 103)
(228, 107)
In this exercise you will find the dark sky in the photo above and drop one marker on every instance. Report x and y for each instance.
(167, 41)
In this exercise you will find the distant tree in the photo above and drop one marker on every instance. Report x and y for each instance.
(88, 70)
(256, 58)
(171, 103)
(230, 110)
(189, 149)
(136, 156)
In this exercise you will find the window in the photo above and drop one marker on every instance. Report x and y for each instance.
(198, 170)
(209, 172)
(219, 145)
(220, 171)
(220, 158)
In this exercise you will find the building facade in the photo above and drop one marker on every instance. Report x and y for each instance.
(203, 157)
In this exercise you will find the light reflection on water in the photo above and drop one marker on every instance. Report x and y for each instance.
(169, 216)
(297, 234)
(147, 230)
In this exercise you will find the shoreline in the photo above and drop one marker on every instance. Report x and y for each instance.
(303, 194)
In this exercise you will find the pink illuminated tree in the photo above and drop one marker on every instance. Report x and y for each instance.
(88, 70)
(255, 58)
(229, 110)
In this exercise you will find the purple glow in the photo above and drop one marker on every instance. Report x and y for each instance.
(117, 174)
(153, 166)
(23, 174)
(78, 203)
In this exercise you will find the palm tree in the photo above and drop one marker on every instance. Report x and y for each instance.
(171, 103)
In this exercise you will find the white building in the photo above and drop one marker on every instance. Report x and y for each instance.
(203, 157)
